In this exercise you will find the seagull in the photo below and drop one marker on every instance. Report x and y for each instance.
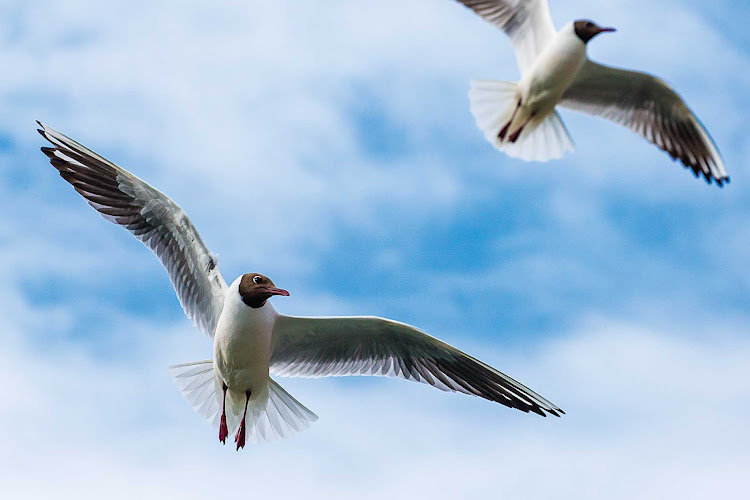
(252, 341)
(521, 120)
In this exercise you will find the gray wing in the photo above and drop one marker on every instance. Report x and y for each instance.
(150, 216)
(527, 22)
(651, 108)
(327, 347)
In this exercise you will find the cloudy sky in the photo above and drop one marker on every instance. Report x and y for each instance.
(329, 145)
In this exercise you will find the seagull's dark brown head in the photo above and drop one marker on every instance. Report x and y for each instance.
(255, 289)
(586, 30)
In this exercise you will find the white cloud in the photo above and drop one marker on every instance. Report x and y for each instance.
(218, 105)
(650, 414)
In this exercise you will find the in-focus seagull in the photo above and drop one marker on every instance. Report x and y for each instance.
(520, 118)
(252, 341)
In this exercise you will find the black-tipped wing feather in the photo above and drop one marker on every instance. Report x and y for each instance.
(651, 108)
(327, 347)
(151, 217)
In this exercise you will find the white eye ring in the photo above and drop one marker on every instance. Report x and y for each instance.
(257, 279)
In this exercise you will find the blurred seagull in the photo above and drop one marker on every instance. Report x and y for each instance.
(234, 390)
(520, 118)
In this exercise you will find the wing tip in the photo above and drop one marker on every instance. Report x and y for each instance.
(699, 171)
(42, 129)
(550, 410)
(722, 181)
(556, 412)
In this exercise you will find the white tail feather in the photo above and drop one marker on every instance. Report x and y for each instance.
(492, 105)
(272, 413)
(198, 386)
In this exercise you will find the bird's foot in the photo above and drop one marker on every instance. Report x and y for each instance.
(223, 430)
(503, 132)
(239, 438)
(515, 135)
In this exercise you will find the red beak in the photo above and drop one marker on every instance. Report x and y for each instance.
(278, 291)
(607, 30)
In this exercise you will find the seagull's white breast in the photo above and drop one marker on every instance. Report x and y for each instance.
(554, 70)
(242, 344)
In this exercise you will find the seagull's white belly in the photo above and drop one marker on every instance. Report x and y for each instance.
(242, 346)
(553, 72)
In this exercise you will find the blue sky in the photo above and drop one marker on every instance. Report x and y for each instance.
(612, 281)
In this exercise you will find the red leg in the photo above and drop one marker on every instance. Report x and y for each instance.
(504, 130)
(239, 438)
(515, 135)
(223, 431)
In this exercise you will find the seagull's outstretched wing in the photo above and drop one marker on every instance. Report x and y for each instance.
(327, 347)
(527, 22)
(151, 217)
(648, 106)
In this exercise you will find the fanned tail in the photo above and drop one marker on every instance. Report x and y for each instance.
(197, 384)
(282, 417)
(492, 105)
(272, 413)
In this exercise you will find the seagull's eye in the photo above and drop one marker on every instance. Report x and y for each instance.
(589, 25)
(257, 279)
